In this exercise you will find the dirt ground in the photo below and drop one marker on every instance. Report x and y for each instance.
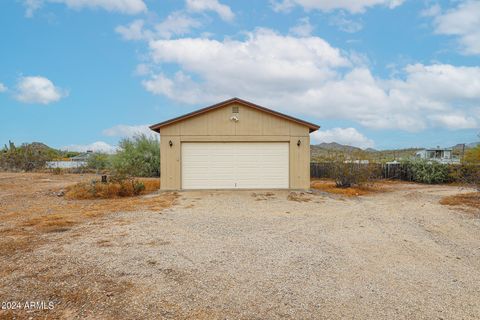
(397, 254)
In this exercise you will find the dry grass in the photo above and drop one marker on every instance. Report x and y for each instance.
(470, 200)
(116, 189)
(263, 196)
(355, 191)
(30, 212)
(91, 294)
(29, 207)
(17, 243)
(298, 197)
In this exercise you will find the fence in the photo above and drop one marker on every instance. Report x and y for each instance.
(65, 164)
(398, 171)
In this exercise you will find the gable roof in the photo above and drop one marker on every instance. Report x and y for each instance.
(311, 126)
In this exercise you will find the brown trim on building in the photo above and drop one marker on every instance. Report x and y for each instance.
(311, 126)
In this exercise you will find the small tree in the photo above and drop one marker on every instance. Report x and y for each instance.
(138, 156)
(99, 161)
(353, 169)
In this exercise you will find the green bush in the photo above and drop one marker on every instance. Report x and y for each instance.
(138, 156)
(430, 172)
(138, 187)
(99, 161)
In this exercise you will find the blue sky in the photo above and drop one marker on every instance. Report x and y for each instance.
(82, 74)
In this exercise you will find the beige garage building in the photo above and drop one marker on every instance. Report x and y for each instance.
(234, 144)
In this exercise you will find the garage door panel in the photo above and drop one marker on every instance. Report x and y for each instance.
(216, 184)
(235, 165)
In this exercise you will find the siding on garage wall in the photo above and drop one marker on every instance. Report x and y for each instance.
(252, 122)
(300, 163)
(170, 163)
(253, 125)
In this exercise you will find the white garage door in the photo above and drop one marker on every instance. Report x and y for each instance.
(234, 165)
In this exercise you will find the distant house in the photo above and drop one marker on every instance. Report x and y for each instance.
(441, 155)
(83, 156)
(357, 161)
(78, 161)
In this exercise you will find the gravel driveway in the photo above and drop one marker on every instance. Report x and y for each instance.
(257, 255)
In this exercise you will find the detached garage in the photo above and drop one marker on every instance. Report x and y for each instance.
(234, 144)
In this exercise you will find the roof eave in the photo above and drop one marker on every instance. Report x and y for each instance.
(312, 127)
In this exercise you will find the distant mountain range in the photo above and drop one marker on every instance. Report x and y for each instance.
(327, 150)
(347, 148)
(336, 146)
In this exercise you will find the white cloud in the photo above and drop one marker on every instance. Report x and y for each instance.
(432, 11)
(134, 31)
(222, 10)
(353, 6)
(269, 57)
(308, 76)
(122, 6)
(99, 146)
(463, 22)
(3, 88)
(128, 131)
(38, 90)
(142, 69)
(161, 85)
(347, 136)
(456, 121)
(303, 28)
(176, 23)
(345, 24)
(31, 6)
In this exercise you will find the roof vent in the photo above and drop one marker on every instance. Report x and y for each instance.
(235, 109)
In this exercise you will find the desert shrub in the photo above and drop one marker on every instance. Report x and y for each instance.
(467, 174)
(349, 173)
(138, 156)
(470, 170)
(138, 187)
(347, 169)
(98, 161)
(56, 171)
(430, 172)
(472, 156)
(115, 188)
